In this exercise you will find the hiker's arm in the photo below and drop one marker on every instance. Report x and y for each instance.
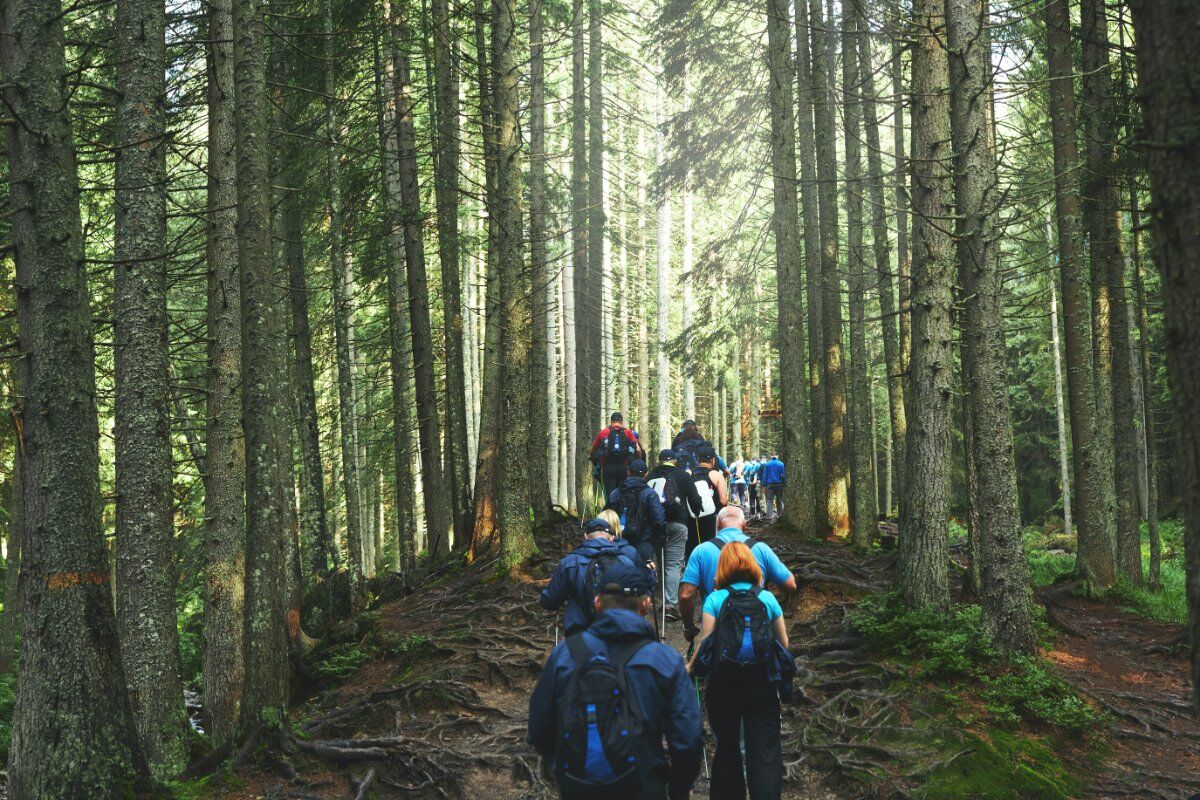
(684, 737)
(776, 573)
(707, 624)
(554, 595)
(722, 489)
(688, 593)
(541, 735)
(780, 631)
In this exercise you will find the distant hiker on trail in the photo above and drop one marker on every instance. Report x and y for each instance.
(751, 473)
(608, 696)
(743, 637)
(576, 580)
(689, 432)
(772, 476)
(642, 516)
(738, 482)
(680, 499)
(612, 450)
(710, 483)
(699, 577)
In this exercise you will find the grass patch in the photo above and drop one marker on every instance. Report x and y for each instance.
(340, 661)
(953, 649)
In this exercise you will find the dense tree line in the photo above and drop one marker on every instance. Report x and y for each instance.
(305, 294)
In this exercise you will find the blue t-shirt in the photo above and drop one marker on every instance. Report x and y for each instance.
(713, 603)
(701, 570)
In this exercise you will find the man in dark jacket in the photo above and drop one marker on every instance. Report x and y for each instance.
(655, 674)
(645, 523)
(612, 450)
(677, 491)
(570, 581)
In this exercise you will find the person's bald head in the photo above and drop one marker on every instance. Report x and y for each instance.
(731, 517)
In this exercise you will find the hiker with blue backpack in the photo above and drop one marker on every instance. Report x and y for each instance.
(743, 642)
(608, 697)
(577, 578)
(612, 450)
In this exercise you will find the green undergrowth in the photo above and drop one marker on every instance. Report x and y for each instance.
(1002, 723)
(1051, 560)
(954, 648)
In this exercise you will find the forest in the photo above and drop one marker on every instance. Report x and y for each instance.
(312, 310)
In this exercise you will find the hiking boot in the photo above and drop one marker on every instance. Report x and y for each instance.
(672, 613)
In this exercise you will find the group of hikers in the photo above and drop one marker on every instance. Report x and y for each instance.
(613, 691)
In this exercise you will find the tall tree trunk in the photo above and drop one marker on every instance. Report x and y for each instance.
(1114, 379)
(541, 283)
(1060, 412)
(445, 79)
(1093, 478)
(1168, 46)
(1147, 397)
(663, 271)
(587, 300)
(642, 281)
(225, 454)
(885, 283)
(146, 568)
(595, 289)
(923, 578)
(516, 531)
(438, 521)
(835, 500)
(343, 316)
(397, 315)
(72, 687)
(793, 360)
(1004, 580)
(810, 213)
(263, 375)
(903, 257)
(686, 265)
(865, 514)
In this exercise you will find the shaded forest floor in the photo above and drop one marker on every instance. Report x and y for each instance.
(430, 701)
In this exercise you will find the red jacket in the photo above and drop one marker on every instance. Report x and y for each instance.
(603, 434)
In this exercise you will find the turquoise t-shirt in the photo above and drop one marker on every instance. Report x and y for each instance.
(713, 603)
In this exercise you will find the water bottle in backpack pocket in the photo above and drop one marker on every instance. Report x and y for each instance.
(617, 447)
(744, 633)
(602, 745)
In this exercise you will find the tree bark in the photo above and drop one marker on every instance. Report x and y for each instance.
(516, 531)
(539, 277)
(1147, 397)
(1060, 412)
(449, 157)
(798, 510)
(836, 501)
(1168, 46)
(663, 271)
(922, 563)
(594, 290)
(1093, 479)
(587, 301)
(225, 454)
(72, 728)
(1103, 221)
(885, 282)
(146, 569)
(865, 512)
(438, 520)
(1004, 578)
(343, 320)
(263, 375)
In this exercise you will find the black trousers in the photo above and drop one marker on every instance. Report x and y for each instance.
(612, 473)
(736, 706)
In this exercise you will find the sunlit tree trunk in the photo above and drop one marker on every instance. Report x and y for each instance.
(585, 293)
(1093, 477)
(540, 378)
(1060, 412)
(663, 234)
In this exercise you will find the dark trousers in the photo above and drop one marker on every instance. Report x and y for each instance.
(612, 473)
(752, 708)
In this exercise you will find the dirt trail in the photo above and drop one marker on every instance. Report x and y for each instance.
(441, 710)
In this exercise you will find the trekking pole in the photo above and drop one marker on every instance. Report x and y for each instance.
(654, 606)
(696, 684)
(662, 569)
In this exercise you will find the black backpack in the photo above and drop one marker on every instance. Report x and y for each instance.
(720, 543)
(617, 447)
(629, 506)
(596, 568)
(744, 633)
(689, 447)
(602, 744)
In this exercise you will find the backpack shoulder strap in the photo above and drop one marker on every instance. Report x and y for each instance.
(580, 652)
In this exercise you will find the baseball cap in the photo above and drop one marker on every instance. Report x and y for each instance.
(625, 579)
(637, 467)
(597, 524)
(705, 453)
(666, 455)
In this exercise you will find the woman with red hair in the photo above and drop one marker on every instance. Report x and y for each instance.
(745, 621)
